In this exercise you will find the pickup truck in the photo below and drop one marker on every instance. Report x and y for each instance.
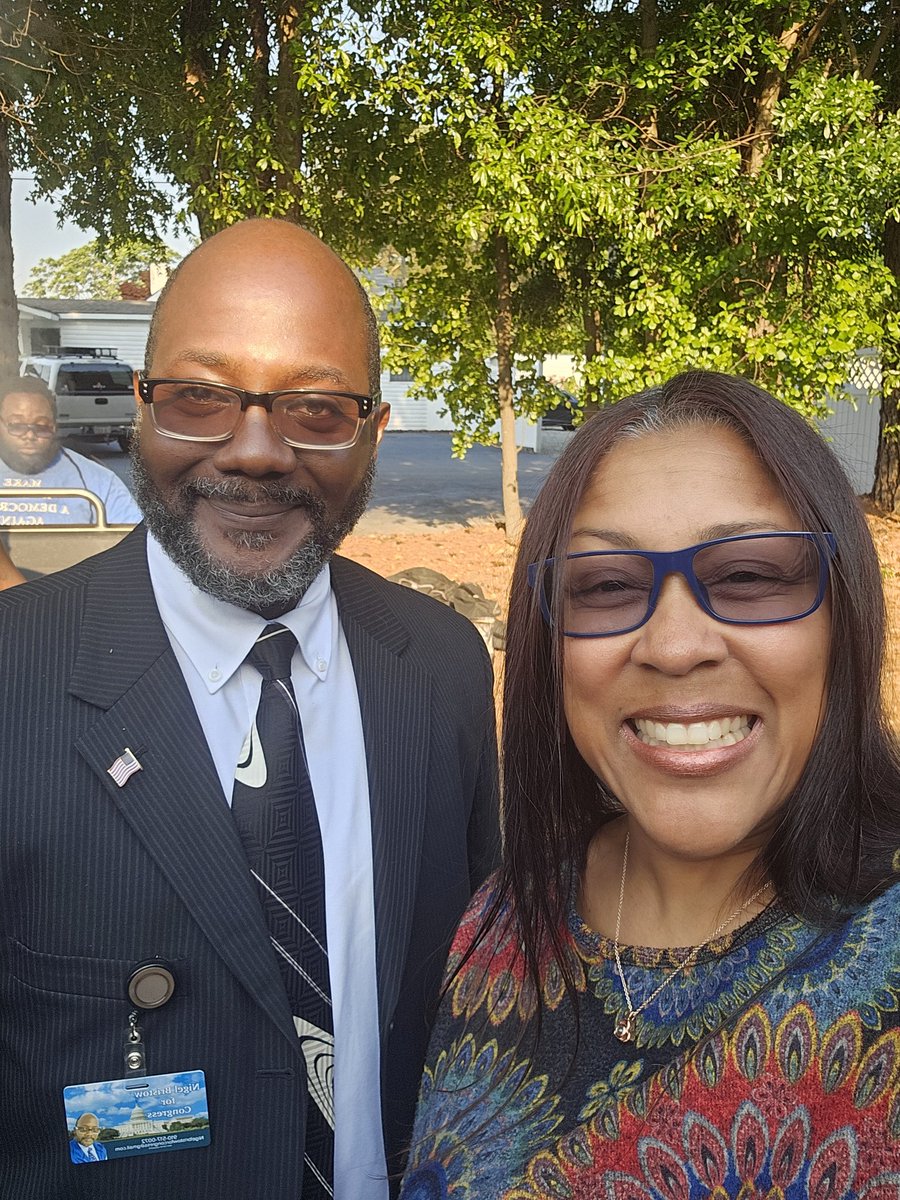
(94, 396)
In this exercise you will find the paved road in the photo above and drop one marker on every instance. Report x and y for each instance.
(419, 484)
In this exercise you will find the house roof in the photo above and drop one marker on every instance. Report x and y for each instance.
(110, 308)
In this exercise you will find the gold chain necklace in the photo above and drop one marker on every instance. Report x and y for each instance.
(624, 1027)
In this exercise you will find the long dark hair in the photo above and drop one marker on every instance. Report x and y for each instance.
(838, 830)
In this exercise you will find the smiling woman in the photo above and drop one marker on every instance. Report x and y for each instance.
(685, 979)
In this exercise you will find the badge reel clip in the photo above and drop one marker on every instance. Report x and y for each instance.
(150, 985)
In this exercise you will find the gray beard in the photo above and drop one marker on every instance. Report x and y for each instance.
(170, 520)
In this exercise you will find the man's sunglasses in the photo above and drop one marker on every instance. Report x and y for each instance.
(23, 428)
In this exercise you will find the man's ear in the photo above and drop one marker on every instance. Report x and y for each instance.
(380, 418)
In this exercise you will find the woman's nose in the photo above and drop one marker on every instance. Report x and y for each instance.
(679, 635)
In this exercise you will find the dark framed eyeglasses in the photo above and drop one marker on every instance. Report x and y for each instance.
(192, 410)
(22, 428)
(750, 579)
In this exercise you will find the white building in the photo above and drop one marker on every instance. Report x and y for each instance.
(117, 325)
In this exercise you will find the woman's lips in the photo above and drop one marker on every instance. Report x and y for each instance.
(693, 747)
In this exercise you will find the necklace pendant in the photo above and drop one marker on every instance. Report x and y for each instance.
(623, 1028)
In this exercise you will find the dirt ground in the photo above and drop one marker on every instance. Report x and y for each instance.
(472, 553)
(886, 534)
(478, 553)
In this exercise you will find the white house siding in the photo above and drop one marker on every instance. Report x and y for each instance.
(408, 413)
(852, 427)
(127, 337)
(123, 327)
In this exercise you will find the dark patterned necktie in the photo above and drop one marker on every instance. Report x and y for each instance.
(275, 812)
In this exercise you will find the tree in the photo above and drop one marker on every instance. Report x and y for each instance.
(62, 102)
(24, 56)
(659, 186)
(645, 185)
(250, 107)
(469, 157)
(95, 271)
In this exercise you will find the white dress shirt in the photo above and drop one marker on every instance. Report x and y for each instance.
(210, 640)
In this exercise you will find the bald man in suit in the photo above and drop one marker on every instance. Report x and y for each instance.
(129, 701)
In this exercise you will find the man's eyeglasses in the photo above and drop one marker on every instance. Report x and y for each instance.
(22, 428)
(751, 579)
(308, 419)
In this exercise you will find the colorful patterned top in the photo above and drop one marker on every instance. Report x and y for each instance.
(770, 1068)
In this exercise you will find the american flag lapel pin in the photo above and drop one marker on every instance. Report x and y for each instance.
(124, 767)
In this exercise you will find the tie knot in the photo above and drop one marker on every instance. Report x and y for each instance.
(272, 653)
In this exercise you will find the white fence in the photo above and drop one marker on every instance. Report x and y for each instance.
(852, 427)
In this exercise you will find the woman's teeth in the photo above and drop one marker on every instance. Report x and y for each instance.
(699, 735)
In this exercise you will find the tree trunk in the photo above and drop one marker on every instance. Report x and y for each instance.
(503, 332)
(9, 313)
(886, 489)
(760, 132)
(649, 45)
(197, 66)
(593, 348)
(288, 140)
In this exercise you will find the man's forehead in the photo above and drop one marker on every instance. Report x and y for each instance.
(270, 258)
(22, 401)
(296, 373)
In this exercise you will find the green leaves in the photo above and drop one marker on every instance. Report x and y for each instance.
(677, 185)
(95, 271)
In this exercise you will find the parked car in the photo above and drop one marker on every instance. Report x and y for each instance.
(562, 414)
(93, 389)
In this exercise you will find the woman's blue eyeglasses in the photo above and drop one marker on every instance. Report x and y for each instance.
(750, 579)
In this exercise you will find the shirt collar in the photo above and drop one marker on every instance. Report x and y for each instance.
(216, 636)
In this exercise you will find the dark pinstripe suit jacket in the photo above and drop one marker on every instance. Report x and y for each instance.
(95, 878)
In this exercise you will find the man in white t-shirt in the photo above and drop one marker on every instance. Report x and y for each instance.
(32, 461)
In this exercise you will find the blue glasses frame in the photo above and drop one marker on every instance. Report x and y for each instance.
(681, 562)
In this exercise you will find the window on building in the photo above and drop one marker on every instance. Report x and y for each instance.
(43, 340)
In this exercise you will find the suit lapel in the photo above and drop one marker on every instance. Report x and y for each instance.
(174, 803)
(395, 705)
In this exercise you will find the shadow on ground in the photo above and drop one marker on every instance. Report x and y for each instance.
(419, 483)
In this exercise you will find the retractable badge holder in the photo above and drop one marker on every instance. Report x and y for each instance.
(150, 985)
(168, 1112)
(135, 1058)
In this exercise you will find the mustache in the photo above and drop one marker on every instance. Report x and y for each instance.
(245, 492)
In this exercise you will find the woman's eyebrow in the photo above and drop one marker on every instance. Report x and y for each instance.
(614, 536)
(709, 533)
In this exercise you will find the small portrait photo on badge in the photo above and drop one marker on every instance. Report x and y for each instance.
(84, 1143)
(118, 1118)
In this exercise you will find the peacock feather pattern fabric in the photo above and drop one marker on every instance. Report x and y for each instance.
(770, 1069)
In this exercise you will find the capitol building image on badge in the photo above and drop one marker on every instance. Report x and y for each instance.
(138, 1125)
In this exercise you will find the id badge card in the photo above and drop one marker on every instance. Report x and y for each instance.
(144, 1115)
